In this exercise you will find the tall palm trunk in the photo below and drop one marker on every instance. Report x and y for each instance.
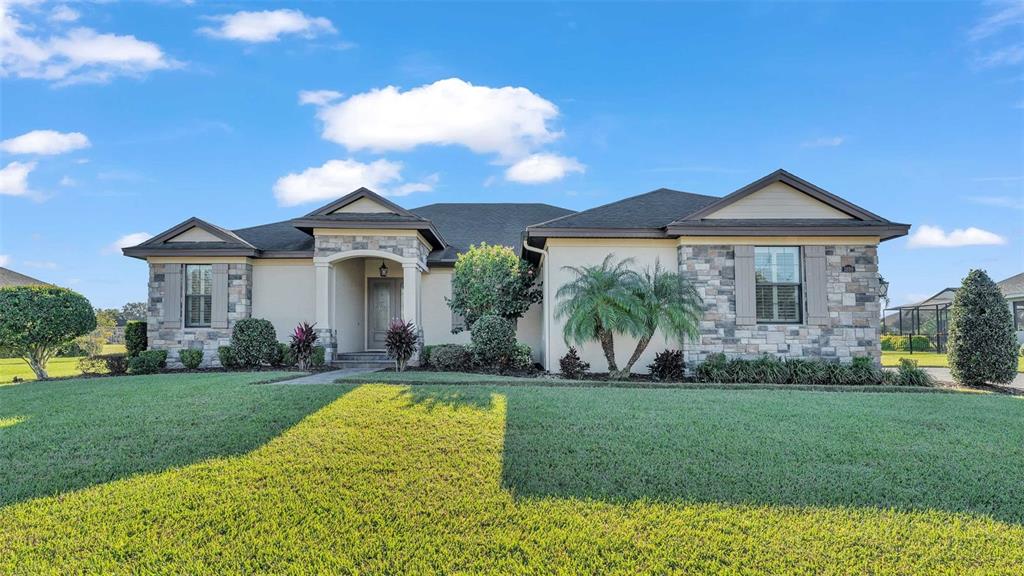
(608, 347)
(641, 345)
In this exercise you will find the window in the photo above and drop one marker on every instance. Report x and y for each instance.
(198, 294)
(1018, 315)
(777, 291)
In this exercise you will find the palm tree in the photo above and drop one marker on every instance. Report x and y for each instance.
(597, 303)
(667, 301)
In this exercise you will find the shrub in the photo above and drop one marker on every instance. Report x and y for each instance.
(571, 367)
(91, 365)
(766, 369)
(425, 355)
(400, 342)
(492, 281)
(451, 358)
(254, 341)
(668, 366)
(117, 364)
(135, 338)
(713, 369)
(909, 374)
(521, 359)
(226, 355)
(494, 341)
(191, 358)
(72, 350)
(896, 343)
(35, 321)
(319, 357)
(302, 343)
(982, 342)
(147, 362)
(283, 356)
(113, 364)
(1022, 349)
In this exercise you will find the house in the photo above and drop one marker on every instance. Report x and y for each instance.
(783, 266)
(1013, 290)
(9, 277)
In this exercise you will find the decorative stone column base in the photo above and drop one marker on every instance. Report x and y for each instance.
(325, 338)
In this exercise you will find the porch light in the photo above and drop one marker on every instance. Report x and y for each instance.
(383, 269)
(883, 287)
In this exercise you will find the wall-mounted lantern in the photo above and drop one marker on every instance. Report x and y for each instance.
(383, 269)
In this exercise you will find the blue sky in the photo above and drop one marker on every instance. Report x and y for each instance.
(155, 112)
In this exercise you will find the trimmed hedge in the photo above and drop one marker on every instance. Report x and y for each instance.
(494, 341)
(772, 370)
(226, 355)
(254, 341)
(147, 362)
(451, 358)
(319, 357)
(191, 358)
(135, 338)
(895, 343)
(982, 341)
(112, 364)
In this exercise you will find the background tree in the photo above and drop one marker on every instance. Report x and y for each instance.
(597, 303)
(492, 281)
(92, 343)
(132, 311)
(982, 343)
(667, 301)
(35, 321)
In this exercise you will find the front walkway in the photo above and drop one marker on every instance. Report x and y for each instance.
(325, 377)
(944, 375)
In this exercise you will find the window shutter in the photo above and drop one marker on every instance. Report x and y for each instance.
(816, 285)
(745, 285)
(172, 293)
(219, 316)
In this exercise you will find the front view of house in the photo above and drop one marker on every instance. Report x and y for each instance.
(783, 267)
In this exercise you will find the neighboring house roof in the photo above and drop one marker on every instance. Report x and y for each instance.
(1012, 287)
(463, 224)
(9, 277)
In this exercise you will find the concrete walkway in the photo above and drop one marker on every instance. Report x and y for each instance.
(325, 377)
(944, 375)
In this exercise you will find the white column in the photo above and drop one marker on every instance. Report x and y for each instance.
(324, 316)
(411, 293)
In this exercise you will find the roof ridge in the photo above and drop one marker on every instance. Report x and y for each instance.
(619, 201)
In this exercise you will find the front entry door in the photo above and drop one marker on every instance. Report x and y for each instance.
(384, 304)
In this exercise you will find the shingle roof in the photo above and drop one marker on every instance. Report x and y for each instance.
(655, 209)
(277, 236)
(463, 224)
(1014, 285)
(362, 217)
(9, 277)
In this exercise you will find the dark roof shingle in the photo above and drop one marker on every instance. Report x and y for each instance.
(463, 224)
(655, 209)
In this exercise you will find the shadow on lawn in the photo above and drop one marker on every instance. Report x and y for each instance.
(77, 433)
(908, 452)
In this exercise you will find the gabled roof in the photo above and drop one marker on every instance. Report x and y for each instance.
(230, 245)
(357, 195)
(793, 181)
(494, 223)
(9, 277)
(645, 215)
(1012, 286)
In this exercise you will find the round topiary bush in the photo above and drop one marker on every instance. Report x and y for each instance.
(494, 341)
(135, 339)
(982, 343)
(191, 358)
(254, 341)
(36, 321)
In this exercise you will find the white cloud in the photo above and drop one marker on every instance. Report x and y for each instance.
(45, 142)
(68, 181)
(14, 178)
(267, 26)
(1007, 15)
(126, 241)
(824, 142)
(926, 236)
(999, 201)
(44, 264)
(339, 177)
(538, 168)
(63, 13)
(5, 259)
(1007, 56)
(507, 121)
(77, 56)
(318, 97)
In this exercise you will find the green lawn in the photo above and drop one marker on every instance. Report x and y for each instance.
(208, 473)
(56, 368)
(928, 359)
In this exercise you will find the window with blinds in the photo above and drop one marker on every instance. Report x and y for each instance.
(777, 295)
(198, 295)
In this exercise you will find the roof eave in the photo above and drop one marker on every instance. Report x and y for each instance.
(884, 231)
(583, 232)
(143, 253)
(307, 225)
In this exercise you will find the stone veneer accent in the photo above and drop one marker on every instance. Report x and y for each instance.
(403, 246)
(174, 336)
(853, 307)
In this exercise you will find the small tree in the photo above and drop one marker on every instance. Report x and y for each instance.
(597, 303)
(35, 321)
(492, 281)
(982, 343)
(400, 342)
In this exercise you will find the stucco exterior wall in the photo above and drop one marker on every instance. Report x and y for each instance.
(283, 292)
(853, 308)
(588, 252)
